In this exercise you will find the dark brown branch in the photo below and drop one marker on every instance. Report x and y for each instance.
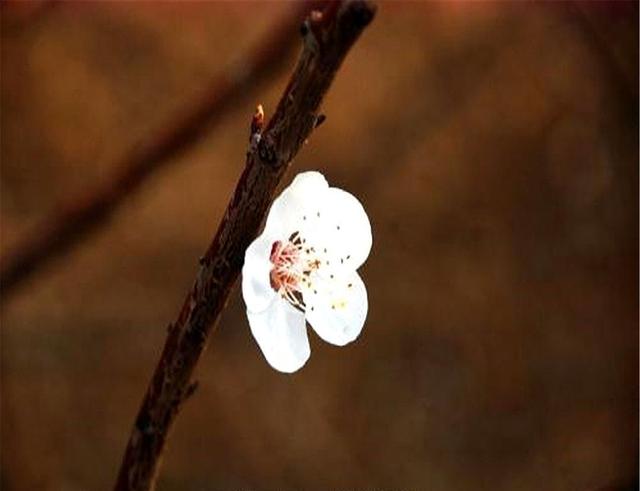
(327, 39)
(88, 212)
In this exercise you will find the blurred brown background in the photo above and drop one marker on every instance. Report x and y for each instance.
(495, 147)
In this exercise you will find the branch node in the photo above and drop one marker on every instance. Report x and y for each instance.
(266, 151)
(320, 118)
(190, 390)
(304, 29)
(308, 34)
(145, 426)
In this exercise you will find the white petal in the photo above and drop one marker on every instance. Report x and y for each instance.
(308, 181)
(354, 234)
(294, 208)
(342, 237)
(337, 310)
(281, 334)
(256, 286)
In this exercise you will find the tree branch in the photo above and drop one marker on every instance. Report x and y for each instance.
(88, 212)
(327, 39)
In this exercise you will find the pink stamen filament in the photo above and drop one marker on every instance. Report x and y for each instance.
(291, 263)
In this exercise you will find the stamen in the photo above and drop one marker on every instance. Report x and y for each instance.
(293, 264)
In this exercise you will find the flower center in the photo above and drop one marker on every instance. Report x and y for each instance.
(293, 261)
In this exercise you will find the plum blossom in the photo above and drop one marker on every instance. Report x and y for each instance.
(303, 269)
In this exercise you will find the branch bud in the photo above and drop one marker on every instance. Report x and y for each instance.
(257, 122)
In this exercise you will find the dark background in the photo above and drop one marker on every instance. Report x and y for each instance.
(495, 148)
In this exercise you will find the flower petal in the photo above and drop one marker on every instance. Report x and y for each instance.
(293, 209)
(354, 232)
(342, 236)
(281, 334)
(256, 286)
(337, 310)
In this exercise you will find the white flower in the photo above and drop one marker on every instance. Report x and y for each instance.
(303, 267)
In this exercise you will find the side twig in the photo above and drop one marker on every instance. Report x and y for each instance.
(88, 212)
(328, 37)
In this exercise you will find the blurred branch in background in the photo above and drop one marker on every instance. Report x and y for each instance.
(623, 79)
(328, 36)
(88, 211)
(17, 14)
